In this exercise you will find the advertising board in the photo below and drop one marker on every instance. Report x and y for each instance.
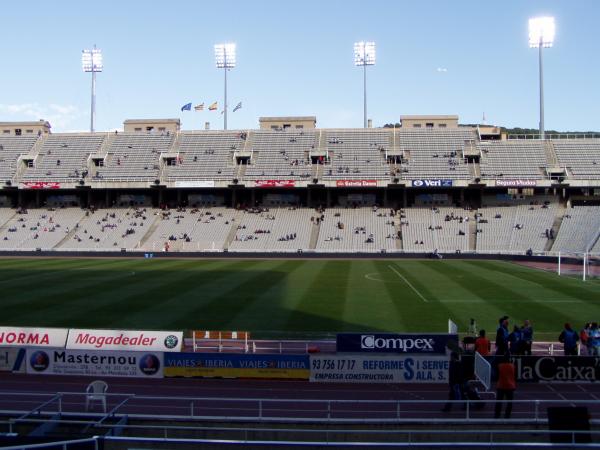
(162, 341)
(431, 183)
(379, 369)
(356, 183)
(394, 343)
(275, 183)
(32, 337)
(516, 183)
(94, 363)
(212, 365)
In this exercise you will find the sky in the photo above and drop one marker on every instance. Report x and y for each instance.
(296, 58)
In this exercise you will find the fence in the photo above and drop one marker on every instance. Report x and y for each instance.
(28, 406)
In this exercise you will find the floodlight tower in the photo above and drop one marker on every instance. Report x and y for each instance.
(364, 55)
(541, 34)
(225, 58)
(91, 61)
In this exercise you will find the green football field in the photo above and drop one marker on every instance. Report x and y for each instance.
(294, 298)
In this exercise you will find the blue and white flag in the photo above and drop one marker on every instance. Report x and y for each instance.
(187, 107)
(238, 106)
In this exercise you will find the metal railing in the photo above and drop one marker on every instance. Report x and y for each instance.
(375, 439)
(28, 406)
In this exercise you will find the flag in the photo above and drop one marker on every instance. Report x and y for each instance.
(187, 107)
(213, 107)
(199, 107)
(238, 106)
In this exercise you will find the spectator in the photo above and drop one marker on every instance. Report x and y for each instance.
(482, 344)
(584, 337)
(527, 336)
(515, 341)
(595, 339)
(505, 389)
(455, 381)
(502, 336)
(569, 338)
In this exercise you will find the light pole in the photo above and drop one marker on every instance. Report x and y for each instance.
(541, 34)
(91, 61)
(225, 58)
(364, 55)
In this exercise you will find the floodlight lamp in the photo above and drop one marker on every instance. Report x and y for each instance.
(364, 53)
(91, 60)
(541, 32)
(225, 56)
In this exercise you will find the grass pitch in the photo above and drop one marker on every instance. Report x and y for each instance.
(294, 298)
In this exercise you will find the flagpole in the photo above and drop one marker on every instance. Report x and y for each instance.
(225, 115)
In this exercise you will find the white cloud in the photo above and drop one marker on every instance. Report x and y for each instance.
(59, 116)
(442, 70)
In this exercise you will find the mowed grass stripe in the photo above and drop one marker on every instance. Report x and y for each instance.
(55, 287)
(93, 303)
(153, 286)
(239, 285)
(169, 305)
(321, 309)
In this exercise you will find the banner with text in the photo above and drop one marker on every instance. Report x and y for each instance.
(208, 365)
(92, 363)
(356, 183)
(275, 183)
(378, 369)
(40, 185)
(32, 337)
(395, 343)
(11, 359)
(541, 369)
(195, 184)
(431, 183)
(162, 341)
(516, 183)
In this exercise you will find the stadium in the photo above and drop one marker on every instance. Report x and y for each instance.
(289, 285)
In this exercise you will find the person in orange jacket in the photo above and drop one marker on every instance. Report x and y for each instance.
(505, 389)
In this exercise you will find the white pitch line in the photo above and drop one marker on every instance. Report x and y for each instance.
(409, 284)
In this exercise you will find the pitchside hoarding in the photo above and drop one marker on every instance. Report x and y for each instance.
(378, 369)
(91, 363)
(32, 337)
(395, 343)
(161, 341)
(11, 359)
(552, 369)
(208, 365)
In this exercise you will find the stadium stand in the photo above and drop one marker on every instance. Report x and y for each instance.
(579, 228)
(356, 229)
(440, 228)
(434, 153)
(11, 147)
(52, 170)
(515, 158)
(63, 157)
(109, 229)
(198, 229)
(581, 157)
(279, 154)
(515, 228)
(205, 155)
(37, 228)
(133, 157)
(276, 229)
(356, 154)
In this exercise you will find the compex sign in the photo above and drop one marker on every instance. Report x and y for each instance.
(393, 343)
